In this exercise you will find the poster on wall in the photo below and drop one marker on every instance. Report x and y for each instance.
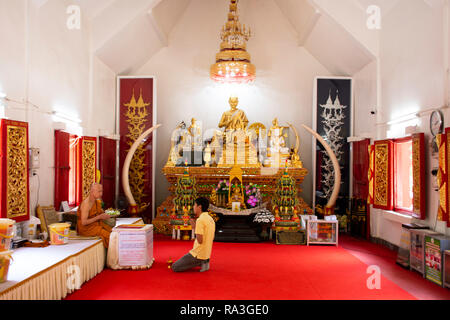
(136, 114)
(332, 119)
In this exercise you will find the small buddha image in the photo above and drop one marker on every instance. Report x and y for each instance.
(237, 196)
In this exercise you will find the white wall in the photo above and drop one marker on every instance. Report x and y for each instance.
(412, 77)
(50, 66)
(283, 88)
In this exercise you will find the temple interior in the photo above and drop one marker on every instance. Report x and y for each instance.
(306, 124)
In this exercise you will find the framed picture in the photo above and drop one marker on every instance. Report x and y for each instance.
(65, 206)
(333, 120)
(236, 206)
(48, 216)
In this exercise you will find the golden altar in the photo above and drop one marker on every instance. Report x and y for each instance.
(207, 179)
(260, 161)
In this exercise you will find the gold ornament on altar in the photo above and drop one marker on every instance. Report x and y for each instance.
(137, 116)
(233, 61)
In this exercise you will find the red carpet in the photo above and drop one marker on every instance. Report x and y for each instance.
(263, 271)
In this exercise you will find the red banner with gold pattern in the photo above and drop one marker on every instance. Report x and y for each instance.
(136, 99)
(14, 175)
(418, 163)
(442, 177)
(87, 166)
(383, 171)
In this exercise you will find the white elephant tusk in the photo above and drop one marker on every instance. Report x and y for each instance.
(297, 139)
(337, 168)
(126, 164)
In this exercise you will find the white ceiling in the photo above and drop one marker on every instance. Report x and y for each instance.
(321, 26)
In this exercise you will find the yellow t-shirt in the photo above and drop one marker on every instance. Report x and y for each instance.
(207, 227)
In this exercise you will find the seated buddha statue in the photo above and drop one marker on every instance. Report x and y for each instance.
(233, 119)
(237, 147)
(237, 196)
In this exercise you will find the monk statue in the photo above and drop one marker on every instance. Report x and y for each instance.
(90, 216)
(196, 133)
(234, 119)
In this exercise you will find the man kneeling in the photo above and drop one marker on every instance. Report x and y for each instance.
(204, 227)
(90, 216)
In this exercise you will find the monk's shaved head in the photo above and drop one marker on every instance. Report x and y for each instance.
(96, 191)
(95, 186)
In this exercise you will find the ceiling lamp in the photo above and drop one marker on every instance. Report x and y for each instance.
(233, 61)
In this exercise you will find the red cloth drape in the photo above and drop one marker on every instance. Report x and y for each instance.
(107, 166)
(361, 163)
(360, 169)
(62, 167)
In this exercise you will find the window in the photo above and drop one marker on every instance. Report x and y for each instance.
(403, 175)
(398, 179)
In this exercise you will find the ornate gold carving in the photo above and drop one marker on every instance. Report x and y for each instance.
(16, 172)
(230, 55)
(370, 173)
(381, 174)
(416, 174)
(89, 170)
(137, 116)
(441, 177)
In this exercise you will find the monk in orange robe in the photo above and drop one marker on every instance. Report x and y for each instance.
(90, 216)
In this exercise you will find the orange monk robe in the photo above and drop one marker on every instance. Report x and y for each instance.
(97, 228)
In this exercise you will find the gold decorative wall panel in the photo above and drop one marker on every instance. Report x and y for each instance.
(381, 173)
(14, 170)
(88, 166)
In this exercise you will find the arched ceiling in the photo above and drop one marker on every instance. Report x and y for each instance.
(334, 32)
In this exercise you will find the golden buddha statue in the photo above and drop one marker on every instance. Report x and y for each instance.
(234, 119)
(238, 148)
(237, 197)
(295, 159)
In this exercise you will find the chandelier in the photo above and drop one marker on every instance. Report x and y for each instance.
(233, 61)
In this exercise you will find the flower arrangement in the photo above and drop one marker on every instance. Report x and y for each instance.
(252, 195)
(264, 216)
(223, 186)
